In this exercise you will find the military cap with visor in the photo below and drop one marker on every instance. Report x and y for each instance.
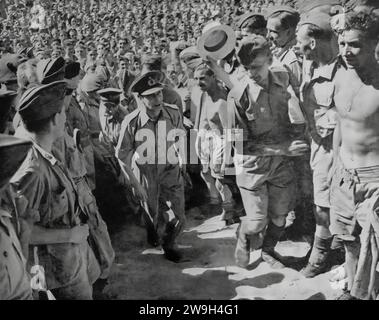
(110, 95)
(147, 84)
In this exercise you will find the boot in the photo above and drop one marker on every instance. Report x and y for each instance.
(173, 228)
(337, 252)
(230, 214)
(317, 263)
(273, 234)
(242, 252)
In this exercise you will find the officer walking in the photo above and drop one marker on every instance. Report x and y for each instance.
(148, 135)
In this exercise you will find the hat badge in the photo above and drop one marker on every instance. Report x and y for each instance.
(151, 82)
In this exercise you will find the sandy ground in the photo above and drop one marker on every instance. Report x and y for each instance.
(209, 271)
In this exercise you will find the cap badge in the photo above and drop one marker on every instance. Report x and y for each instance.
(151, 82)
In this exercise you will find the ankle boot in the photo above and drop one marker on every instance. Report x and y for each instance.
(242, 252)
(317, 263)
(337, 252)
(273, 234)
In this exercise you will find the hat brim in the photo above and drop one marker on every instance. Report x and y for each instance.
(151, 91)
(12, 156)
(225, 50)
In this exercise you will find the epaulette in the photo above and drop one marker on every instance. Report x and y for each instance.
(291, 57)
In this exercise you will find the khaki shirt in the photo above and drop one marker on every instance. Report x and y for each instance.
(46, 196)
(14, 279)
(288, 57)
(156, 159)
(262, 113)
(76, 119)
(66, 151)
(317, 94)
(110, 124)
(137, 126)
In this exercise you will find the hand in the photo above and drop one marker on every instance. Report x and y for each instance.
(297, 148)
(79, 234)
(370, 190)
(187, 97)
(211, 63)
(187, 122)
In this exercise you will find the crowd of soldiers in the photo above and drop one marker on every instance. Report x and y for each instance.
(272, 105)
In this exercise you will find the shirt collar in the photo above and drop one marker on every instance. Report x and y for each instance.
(48, 156)
(255, 88)
(144, 117)
(283, 51)
(326, 72)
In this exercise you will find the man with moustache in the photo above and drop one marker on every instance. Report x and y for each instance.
(159, 183)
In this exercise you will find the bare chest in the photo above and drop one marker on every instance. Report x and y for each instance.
(359, 102)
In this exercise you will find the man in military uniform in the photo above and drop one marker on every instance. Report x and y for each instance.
(14, 279)
(265, 175)
(314, 41)
(111, 115)
(157, 160)
(53, 225)
(281, 31)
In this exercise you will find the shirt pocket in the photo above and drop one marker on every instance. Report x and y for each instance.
(324, 113)
(323, 94)
(58, 209)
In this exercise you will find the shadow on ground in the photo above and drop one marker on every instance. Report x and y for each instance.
(209, 271)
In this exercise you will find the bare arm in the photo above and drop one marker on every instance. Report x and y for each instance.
(220, 73)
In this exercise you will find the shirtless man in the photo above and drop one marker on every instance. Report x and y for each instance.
(356, 178)
(211, 120)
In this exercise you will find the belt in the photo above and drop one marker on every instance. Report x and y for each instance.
(360, 175)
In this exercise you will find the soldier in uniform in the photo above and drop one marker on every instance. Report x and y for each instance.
(265, 175)
(157, 160)
(54, 227)
(111, 115)
(281, 31)
(14, 279)
(314, 40)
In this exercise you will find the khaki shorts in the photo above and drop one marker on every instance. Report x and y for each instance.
(321, 164)
(349, 208)
(267, 186)
(211, 154)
